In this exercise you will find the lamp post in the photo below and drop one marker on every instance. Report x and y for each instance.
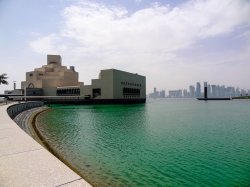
(25, 92)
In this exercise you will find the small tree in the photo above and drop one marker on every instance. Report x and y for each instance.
(3, 78)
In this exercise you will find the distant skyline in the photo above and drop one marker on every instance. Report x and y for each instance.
(197, 90)
(173, 43)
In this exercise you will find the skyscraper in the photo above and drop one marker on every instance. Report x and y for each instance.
(155, 93)
(209, 90)
(205, 89)
(192, 91)
(162, 94)
(214, 91)
(198, 89)
(185, 93)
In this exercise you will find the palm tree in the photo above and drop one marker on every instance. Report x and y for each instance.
(3, 78)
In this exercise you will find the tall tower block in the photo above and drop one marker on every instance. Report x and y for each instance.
(205, 90)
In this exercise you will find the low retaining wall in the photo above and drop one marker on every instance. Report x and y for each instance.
(94, 101)
(15, 109)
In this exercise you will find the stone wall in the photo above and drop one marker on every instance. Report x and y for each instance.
(14, 110)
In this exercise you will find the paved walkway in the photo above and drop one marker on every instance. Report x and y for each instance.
(24, 162)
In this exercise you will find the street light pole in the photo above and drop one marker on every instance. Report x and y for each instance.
(25, 92)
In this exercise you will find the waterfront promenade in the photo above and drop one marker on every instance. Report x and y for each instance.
(24, 162)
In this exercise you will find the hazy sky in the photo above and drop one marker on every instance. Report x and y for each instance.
(174, 43)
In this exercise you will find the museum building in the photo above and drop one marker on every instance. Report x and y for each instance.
(54, 79)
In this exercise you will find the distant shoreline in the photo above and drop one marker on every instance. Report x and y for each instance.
(242, 97)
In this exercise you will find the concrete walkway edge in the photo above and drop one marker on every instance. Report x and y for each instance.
(24, 162)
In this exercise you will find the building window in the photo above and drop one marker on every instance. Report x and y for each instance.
(131, 92)
(130, 84)
(52, 62)
(31, 85)
(96, 92)
(68, 91)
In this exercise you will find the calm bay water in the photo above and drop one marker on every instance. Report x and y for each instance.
(164, 142)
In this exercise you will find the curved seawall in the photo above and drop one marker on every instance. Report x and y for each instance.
(23, 161)
(16, 109)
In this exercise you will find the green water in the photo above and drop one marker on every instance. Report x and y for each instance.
(161, 143)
